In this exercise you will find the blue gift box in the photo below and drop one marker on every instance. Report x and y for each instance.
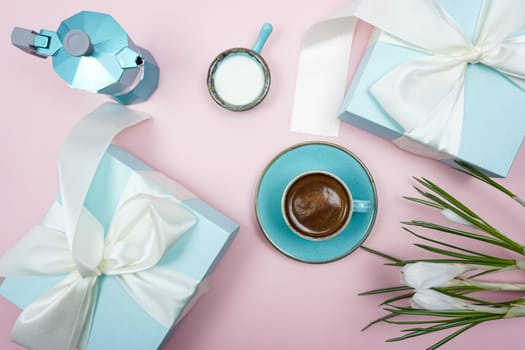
(493, 128)
(119, 323)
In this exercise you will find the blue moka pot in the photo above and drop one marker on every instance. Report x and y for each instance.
(92, 52)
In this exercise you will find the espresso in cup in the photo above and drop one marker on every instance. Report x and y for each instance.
(317, 205)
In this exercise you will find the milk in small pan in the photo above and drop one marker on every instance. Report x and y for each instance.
(239, 78)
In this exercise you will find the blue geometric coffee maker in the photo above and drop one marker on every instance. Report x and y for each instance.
(92, 52)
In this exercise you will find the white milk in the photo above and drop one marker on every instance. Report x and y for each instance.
(239, 79)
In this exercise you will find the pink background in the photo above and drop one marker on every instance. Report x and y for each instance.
(259, 298)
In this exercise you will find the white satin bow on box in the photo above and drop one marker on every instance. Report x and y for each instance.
(424, 95)
(144, 226)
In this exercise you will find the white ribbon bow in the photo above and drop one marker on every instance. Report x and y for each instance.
(143, 228)
(424, 95)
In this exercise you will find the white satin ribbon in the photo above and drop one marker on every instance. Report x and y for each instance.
(71, 241)
(424, 95)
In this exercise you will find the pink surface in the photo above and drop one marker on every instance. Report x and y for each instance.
(259, 298)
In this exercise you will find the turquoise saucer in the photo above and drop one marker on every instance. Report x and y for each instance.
(294, 161)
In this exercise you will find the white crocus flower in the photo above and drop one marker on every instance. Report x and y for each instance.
(433, 300)
(424, 275)
(451, 216)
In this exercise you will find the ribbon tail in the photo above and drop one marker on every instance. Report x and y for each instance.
(161, 293)
(58, 319)
(86, 330)
(322, 75)
(30, 256)
(79, 158)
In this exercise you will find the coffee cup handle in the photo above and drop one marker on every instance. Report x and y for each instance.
(361, 206)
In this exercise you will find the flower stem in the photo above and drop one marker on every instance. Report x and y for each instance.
(519, 200)
(508, 287)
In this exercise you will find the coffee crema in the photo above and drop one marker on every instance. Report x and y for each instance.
(317, 205)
